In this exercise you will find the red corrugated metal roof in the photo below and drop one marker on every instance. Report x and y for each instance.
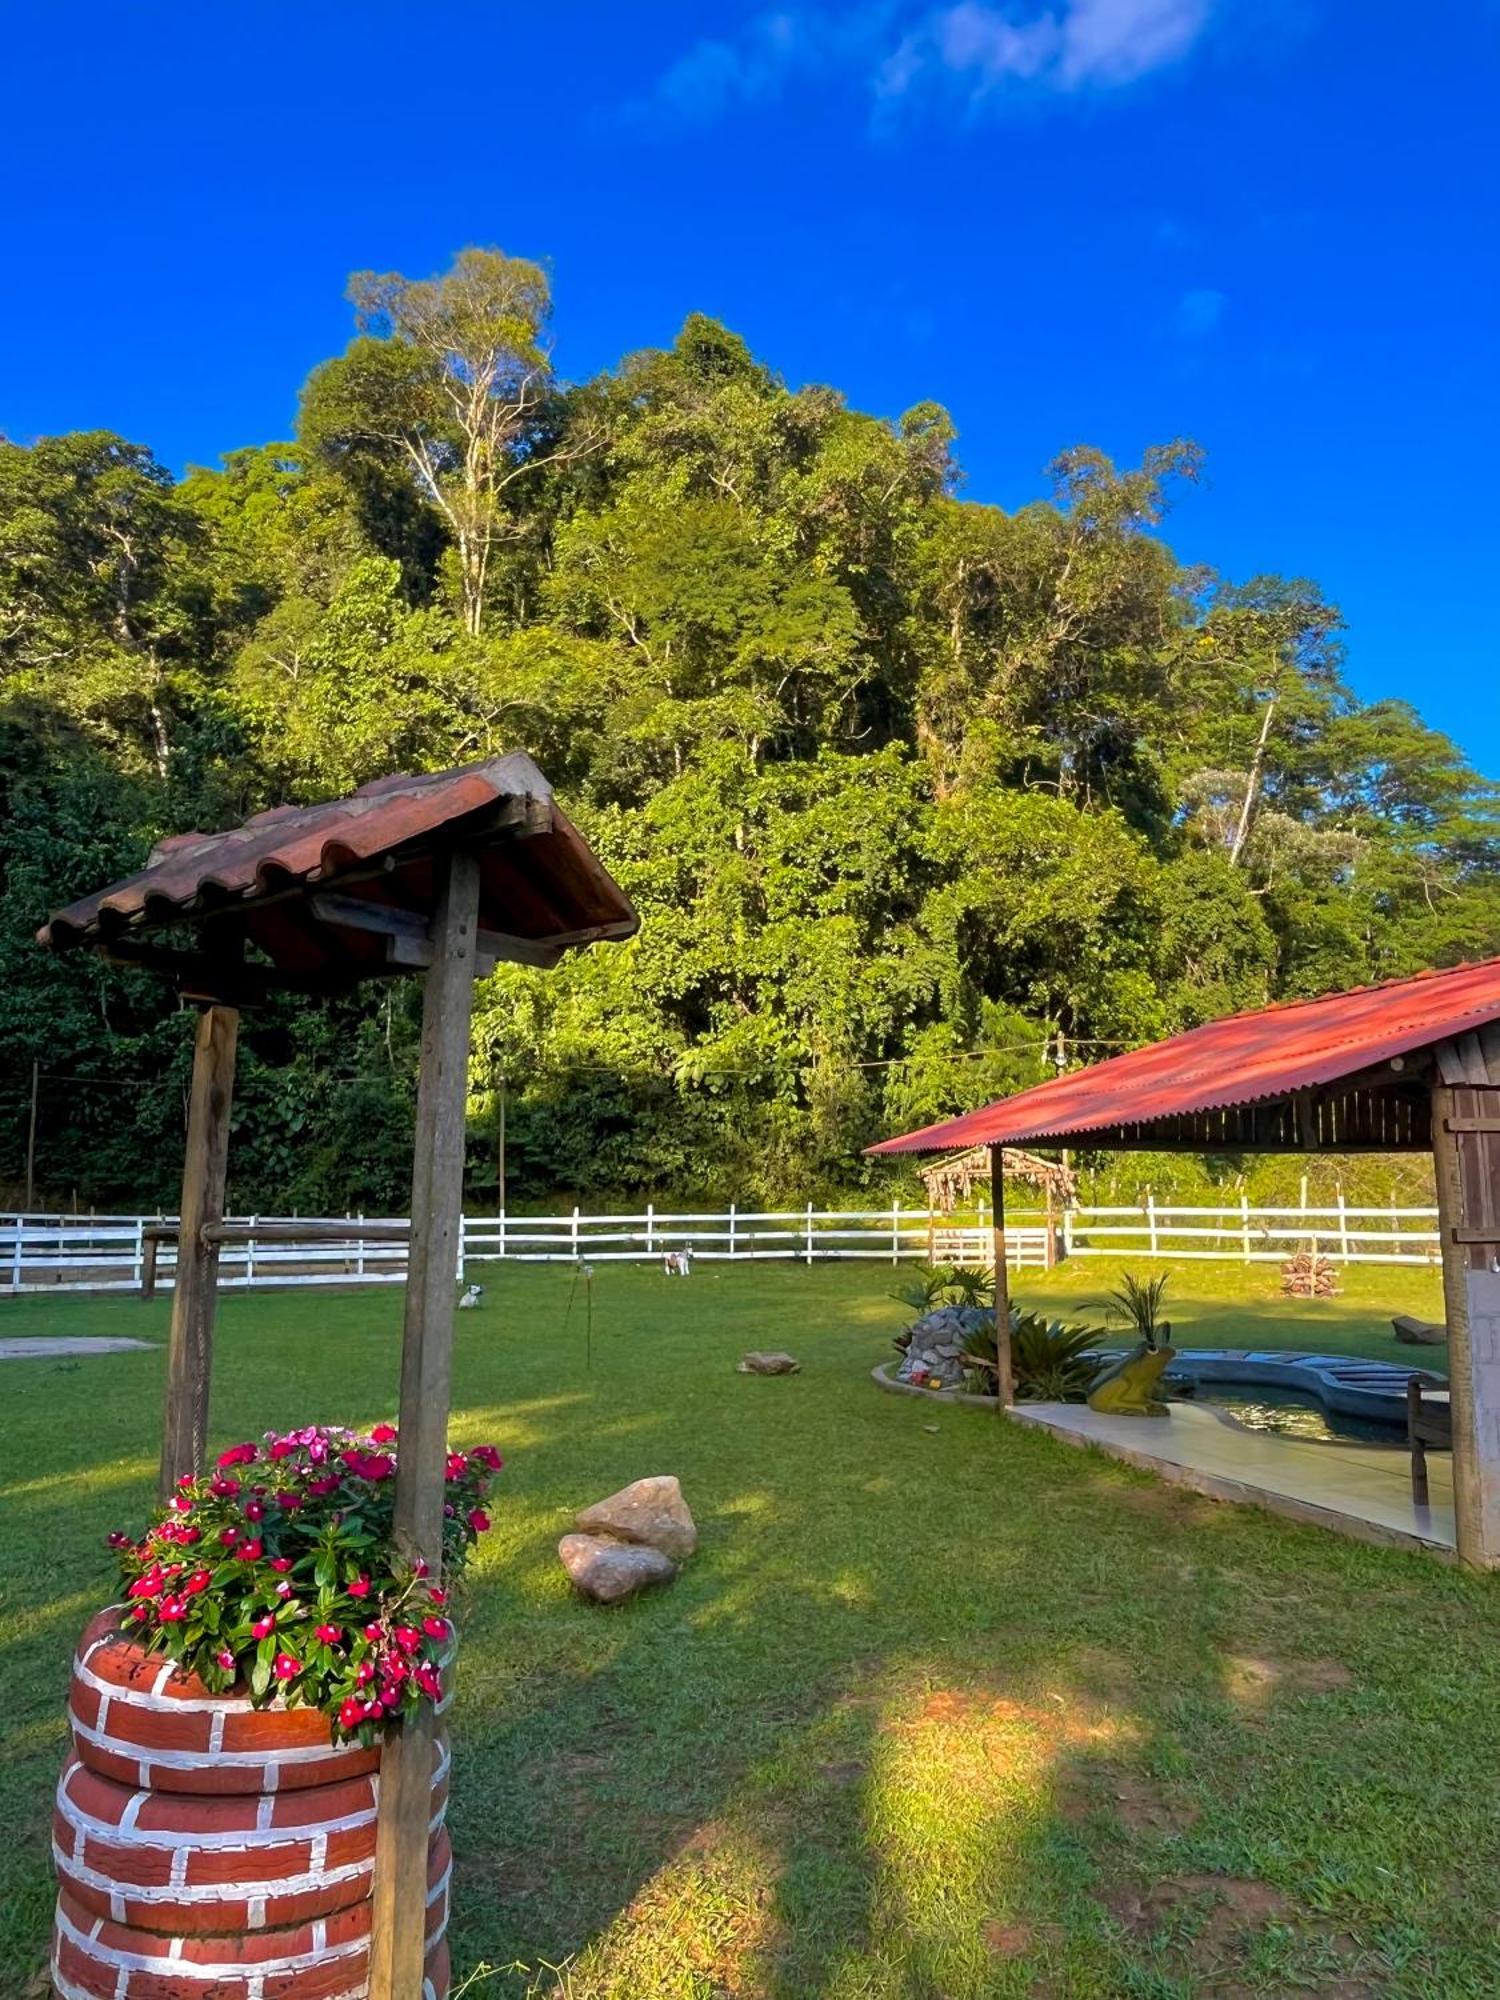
(539, 879)
(1243, 1060)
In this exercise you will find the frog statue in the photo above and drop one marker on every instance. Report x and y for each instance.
(1125, 1389)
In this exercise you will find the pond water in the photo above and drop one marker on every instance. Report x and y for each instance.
(1293, 1413)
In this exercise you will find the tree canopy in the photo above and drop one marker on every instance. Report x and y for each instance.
(916, 796)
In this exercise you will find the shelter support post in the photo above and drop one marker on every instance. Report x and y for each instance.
(1466, 1156)
(205, 1169)
(1005, 1388)
(397, 1938)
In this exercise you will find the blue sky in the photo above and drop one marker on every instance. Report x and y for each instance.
(1265, 224)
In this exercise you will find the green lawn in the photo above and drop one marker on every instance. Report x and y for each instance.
(942, 1709)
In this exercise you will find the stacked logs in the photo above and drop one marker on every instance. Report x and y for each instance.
(206, 1850)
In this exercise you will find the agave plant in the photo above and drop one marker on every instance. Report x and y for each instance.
(924, 1289)
(1138, 1304)
(1049, 1359)
(969, 1286)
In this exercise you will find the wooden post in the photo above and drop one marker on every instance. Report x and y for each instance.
(36, 1077)
(205, 1168)
(397, 1941)
(149, 1248)
(1005, 1388)
(1466, 1156)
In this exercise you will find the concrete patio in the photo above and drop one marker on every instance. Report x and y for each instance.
(1357, 1489)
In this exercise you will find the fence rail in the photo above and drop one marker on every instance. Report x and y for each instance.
(40, 1253)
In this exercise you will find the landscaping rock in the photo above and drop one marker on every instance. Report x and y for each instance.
(607, 1570)
(1419, 1332)
(649, 1511)
(936, 1347)
(769, 1364)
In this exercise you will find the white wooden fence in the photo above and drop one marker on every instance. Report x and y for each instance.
(105, 1252)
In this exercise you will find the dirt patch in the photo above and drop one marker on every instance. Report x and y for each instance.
(1134, 1800)
(1228, 1904)
(841, 1774)
(1161, 1501)
(1006, 1940)
(1059, 1719)
(1253, 1680)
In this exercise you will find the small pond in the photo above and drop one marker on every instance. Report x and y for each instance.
(1291, 1413)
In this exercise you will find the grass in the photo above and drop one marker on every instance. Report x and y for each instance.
(942, 1709)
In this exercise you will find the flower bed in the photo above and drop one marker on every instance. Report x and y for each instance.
(278, 1575)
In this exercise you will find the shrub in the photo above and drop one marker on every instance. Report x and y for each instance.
(1049, 1362)
(278, 1576)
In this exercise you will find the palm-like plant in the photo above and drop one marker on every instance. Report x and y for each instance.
(1138, 1304)
(1049, 1358)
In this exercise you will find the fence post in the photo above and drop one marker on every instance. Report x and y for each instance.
(1245, 1228)
(140, 1252)
(575, 1232)
(1151, 1217)
(15, 1256)
(809, 1235)
(731, 1231)
(1343, 1229)
(359, 1246)
(250, 1257)
(895, 1232)
(650, 1219)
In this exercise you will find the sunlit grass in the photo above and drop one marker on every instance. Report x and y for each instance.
(941, 1708)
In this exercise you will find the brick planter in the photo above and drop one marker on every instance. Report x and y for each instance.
(206, 1850)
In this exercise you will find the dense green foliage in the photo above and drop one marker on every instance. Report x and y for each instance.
(906, 787)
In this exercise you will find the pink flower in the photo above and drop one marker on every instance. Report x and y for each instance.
(384, 1434)
(118, 1539)
(364, 1673)
(198, 1581)
(435, 1628)
(438, 1596)
(225, 1659)
(479, 1521)
(222, 1488)
(140, 1612)
(283, 1447)
(254, 1511)
(351, 1713)
(187, 1536)
(281, 1564)
(329, 1634)
(486, 1454)
(287, 1667)
(373, 1465)
(327, 1484)
(229, 1536)
(237, 1454)
(283, 1589)
(171, 1610)
(373, 1633)
(458, 1465)
(148, 1585)
(430, 1682)
(184, 1485)
(289, 1502)
(372, 1711)
(419, 1567)
(359, 1588)
(181, 1504)
(408, 1638)
(250, 1551)
(263, 1627)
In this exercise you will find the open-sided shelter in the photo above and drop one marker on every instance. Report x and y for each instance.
(447, 874)
(1409, 1066)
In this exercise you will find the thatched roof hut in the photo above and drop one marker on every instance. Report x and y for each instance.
(952, 1180)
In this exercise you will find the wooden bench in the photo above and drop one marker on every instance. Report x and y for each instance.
(1426, 1424)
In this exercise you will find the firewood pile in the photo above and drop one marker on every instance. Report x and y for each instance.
(1308, 1277)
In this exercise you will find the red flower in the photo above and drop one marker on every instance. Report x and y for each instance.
(372, 1465)
(171, 1610)
(329, 1634)
(148, 1585)
(181, 1504)
(373, 1633)
(283, 1447)
(187, 1536)
(290, 1502)
(185, 1483)
(287, 1667)
(384, 1434)
(372, 1711)
(437, 1595)
(199, 1580)
(237, 1454)
(458, 1465)
(351, 1713)
(364, 1673)
(254, 1511)
(141, 1611)
(408, 1638)
(251, 1551)
(359, 1588)
(229, 1536)
(435, 1628)
(223, 1489)
(429, 1681)
(327, 1484)
(479, 1521)
(486, 1454)
(283, 1589)
(225, 1659)
(263, 1627)
(281, 1564)
(118, 1539)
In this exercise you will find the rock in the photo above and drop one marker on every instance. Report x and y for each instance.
(649, 1511)
(769, 1364)
(1418, 1332)
(607, 1570)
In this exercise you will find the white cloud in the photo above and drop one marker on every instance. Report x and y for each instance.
(903, 56)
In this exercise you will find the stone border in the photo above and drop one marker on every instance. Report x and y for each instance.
(883, 1379)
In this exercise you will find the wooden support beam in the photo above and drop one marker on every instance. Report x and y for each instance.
(195, 1288)
(397, 1935)
(1466, 1157)
(1005, 1383)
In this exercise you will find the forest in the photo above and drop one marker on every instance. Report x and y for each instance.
(918, 799)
